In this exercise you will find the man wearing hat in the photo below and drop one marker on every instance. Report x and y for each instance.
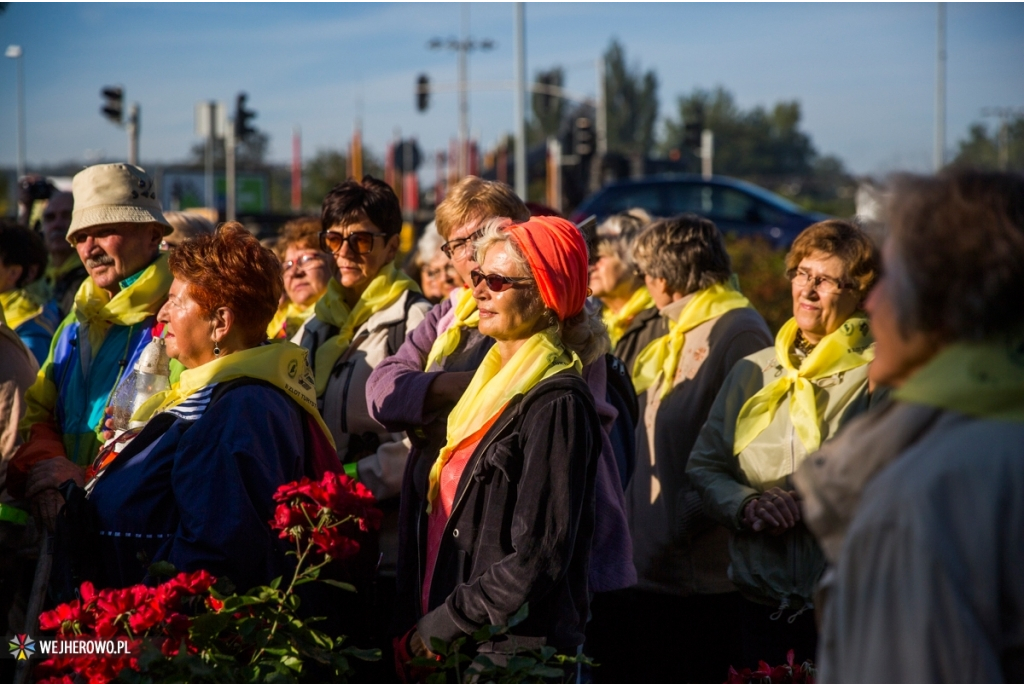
(116, 228)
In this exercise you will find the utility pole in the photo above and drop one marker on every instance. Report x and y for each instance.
(134, 121)
(520, 102)
(940, 90)
(463, 47)
(707, 153)
(16, 53)
(211, 132)
(554, 186)
(230, 173)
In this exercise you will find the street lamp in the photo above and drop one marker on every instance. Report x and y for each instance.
(15, 52)
(463, 47)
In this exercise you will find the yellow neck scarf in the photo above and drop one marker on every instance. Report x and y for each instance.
(19, 307)
(97, 311)
(661, 357)
(288, 319)
(466, 316)
(978, 379)
(284, 364)
(382, 292)
(846, 348)
(618, 322)
(493, 386)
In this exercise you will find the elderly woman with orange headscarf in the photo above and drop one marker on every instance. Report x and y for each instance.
(510, 512)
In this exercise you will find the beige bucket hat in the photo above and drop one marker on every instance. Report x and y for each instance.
(114, 194)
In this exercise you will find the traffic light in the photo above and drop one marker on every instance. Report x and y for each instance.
(422, 93)
(582, 137)
(243, 127)
(113, 109)
(691, 134)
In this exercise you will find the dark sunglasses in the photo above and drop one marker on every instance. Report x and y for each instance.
(360, 242)
(496, 283)
(459, 245)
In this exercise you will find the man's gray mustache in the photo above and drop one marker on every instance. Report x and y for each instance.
(101, 260)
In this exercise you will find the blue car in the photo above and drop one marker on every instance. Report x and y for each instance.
(735, 206)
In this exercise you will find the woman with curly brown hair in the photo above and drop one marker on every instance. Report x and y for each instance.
(194, 486)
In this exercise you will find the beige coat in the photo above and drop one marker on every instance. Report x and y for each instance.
(18, 368)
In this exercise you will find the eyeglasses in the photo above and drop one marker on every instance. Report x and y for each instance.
(306, 261)
(446, 272)
(459, 245)
(496, 283)
(360, 242)
(824, 285)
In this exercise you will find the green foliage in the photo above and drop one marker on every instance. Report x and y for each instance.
(631, 103)
(761, 270)
(764, 146)
(453, 664)
(327, 169)
(548, 121)
(981, 150)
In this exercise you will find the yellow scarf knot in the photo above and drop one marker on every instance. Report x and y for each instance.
(19, 306)
(285, 365)
(383, 291)
(493, 387)
(618, 322)
(846, 348)
(661, 357)
(288, 319)
(465, 316)
(96, 311)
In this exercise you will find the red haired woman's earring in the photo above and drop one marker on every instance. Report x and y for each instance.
(216, 349)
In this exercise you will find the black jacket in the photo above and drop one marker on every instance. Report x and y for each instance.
(521, 525)
(646, 327)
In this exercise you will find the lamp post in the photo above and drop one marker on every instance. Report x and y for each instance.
(15, 53)
(463, 47)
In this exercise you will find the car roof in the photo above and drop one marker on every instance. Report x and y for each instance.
(673, 178)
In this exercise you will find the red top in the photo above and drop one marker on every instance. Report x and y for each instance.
(451, 474)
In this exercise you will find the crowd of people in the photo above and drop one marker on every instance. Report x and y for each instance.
(609, 434)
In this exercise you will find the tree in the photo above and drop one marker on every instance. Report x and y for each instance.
(982, 151)
(327, 169)
(548, 110)
(631, 104)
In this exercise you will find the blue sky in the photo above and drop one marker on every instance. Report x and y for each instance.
(863, 73)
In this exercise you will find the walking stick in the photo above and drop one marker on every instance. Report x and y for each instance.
(35, 601)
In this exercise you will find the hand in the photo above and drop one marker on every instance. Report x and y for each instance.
(50, 473)
(45, 507)
(108, 431)
(446, 389)
(775, 511)
(418, 647)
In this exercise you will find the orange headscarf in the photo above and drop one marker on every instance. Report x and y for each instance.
(557, 255)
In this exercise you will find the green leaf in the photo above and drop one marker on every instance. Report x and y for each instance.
(519, 616)
(542, 671)
(338, 584)
(276, 582)
(438, 646)
(162, 569)
(362, 654)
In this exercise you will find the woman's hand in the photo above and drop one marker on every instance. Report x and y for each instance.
(775, 511)
(108, 425)
(41, 487)
(418, 647)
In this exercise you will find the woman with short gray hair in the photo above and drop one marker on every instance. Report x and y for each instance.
(680, 555)
(627, 310)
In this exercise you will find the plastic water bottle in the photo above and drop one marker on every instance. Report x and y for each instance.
(150, 375)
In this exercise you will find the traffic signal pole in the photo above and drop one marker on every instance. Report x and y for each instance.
(134, 117)
(520, 103)
(229, 171)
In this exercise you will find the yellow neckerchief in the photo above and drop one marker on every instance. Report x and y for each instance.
(72, 262)
(96, 311)
(618, 322)
(984, 379)
(288, 318)
(846, 348)
(19, 307)
(466, 316)
(493, 386)
(386, 287)
(661, 357)
(283, 364)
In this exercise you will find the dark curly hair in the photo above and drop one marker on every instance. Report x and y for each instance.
(231, 269)
(959, 238)
(22, 247)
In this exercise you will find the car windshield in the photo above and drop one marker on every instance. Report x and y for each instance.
(769, 197)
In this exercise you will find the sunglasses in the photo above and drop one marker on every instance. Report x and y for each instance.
(360, 242)
(496, 283)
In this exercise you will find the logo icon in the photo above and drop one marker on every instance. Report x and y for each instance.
(293, 368)
(22, 647)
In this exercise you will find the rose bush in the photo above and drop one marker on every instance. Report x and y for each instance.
(193, 627)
